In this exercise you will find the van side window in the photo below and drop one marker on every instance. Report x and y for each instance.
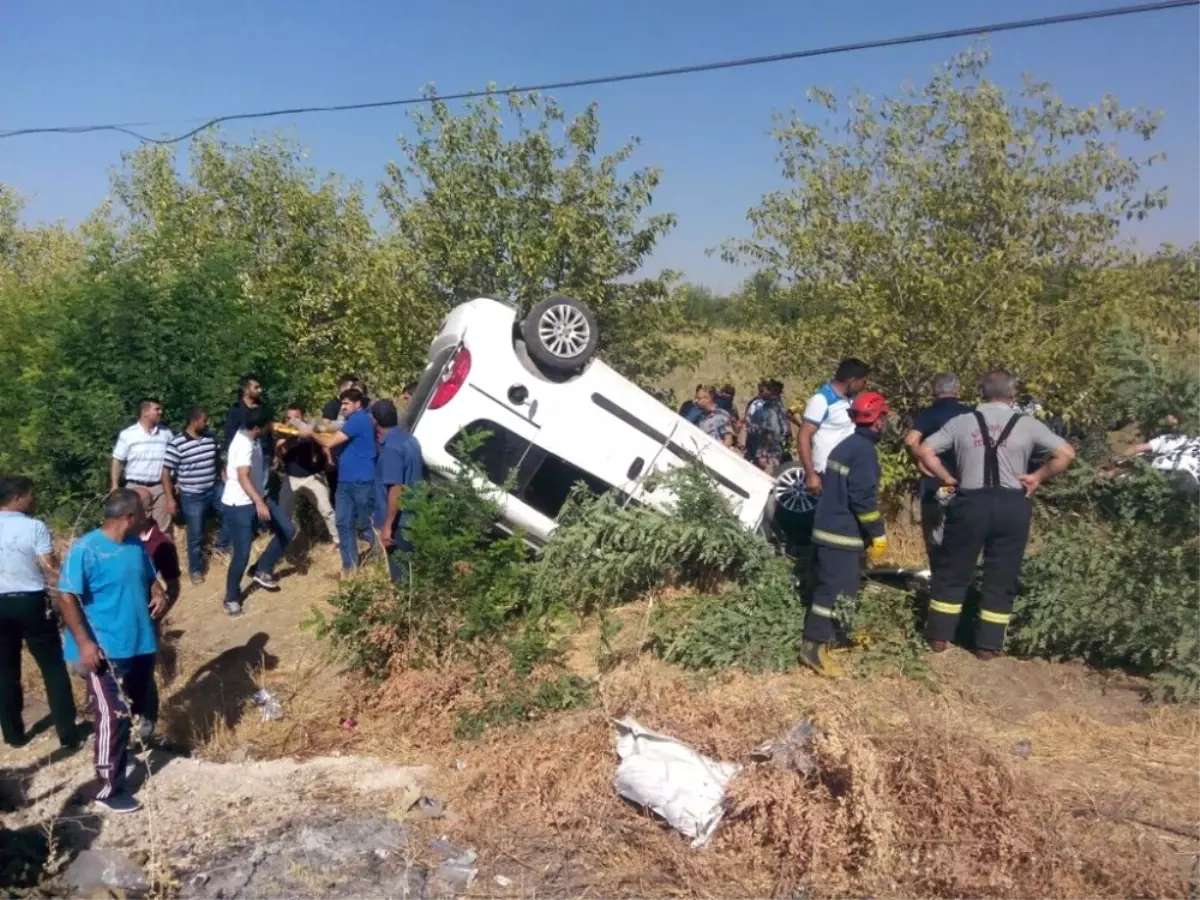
(542, 479)
(499, 452)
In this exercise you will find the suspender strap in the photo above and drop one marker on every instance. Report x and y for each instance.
(991, 455)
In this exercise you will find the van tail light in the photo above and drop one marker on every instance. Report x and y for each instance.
(453, 378)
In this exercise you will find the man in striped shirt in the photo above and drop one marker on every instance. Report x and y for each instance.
(191, 467)
(139, 455)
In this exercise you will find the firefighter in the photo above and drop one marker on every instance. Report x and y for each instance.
(990, 511)
(847, 523)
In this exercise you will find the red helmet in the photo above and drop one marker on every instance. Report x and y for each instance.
(868, 407)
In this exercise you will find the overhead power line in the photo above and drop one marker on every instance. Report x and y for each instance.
(923, 38)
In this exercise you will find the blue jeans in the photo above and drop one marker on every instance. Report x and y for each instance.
(195, 509)
(240, 522)
(353, 506)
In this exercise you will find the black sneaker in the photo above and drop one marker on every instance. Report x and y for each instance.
(233, 608)
(119, 803)
(265, 580)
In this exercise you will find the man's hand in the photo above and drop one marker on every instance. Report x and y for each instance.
(304, 429)
(263, 511)
(813, 482)
(385, 535)
(172, 504)
(1031, 482)
(158, 604)
(877, 549)
(90, 657)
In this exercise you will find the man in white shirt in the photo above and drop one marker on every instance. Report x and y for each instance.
(826, 419)
(139, 454)
(1172, 452)
(245, 497)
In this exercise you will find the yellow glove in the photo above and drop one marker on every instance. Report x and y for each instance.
(877, 549)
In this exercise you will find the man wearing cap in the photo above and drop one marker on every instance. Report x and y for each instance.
(990, 511)
(398, 470)
(847, 522)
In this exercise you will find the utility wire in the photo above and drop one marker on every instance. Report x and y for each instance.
(926, 37)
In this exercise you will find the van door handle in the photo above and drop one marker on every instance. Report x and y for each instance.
(635, 468)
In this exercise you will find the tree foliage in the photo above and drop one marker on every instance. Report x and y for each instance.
(957, 227)
(533, 210)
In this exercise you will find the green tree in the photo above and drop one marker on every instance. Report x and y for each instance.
(529, 208)
(108, 338)
(309, 254)
(958, 227)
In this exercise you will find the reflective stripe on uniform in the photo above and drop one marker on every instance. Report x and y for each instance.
(994, 618)
(837, 540)
(840, 468)
(869, 517)
(948, 609)
(823, 611)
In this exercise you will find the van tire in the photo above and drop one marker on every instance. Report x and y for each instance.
(791, 507)
(561, 334)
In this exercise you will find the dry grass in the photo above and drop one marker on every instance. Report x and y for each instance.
(919, 792)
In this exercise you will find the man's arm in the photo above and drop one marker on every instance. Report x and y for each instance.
(115, 468)
(158, 599)
(169, 492)
(395, 492)
(804, 448)
(69, 608)
(247, 483)
(48, 563)
(912, 441)
(927, 454)
(1060, 459)
(328, 440)
(1138, 449)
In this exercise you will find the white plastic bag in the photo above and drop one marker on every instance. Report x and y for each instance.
(672, 779)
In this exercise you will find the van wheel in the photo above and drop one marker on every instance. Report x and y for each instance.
(792, 506)
(561, 334)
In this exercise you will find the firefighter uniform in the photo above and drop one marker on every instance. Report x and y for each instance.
(847, 522)
(990, 513)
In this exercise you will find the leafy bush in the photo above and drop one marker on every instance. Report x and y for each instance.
(1115, 584)
(464, 585)
(604, 553)
(1121, 598)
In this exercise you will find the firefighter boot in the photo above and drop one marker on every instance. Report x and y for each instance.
(818, 657)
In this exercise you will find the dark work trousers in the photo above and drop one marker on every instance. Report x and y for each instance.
(839, 574)
(26, 616)
(996, 522)
(123, 688)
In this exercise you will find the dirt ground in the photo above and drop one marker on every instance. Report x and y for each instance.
(1009, 778)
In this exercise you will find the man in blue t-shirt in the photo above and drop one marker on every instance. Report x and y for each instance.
(398, 470)
(946, 406)
(354, 500)
(108, 574)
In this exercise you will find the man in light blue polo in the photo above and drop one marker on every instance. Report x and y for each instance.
(27, 564)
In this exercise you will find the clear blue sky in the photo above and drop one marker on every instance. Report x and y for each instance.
(75, 62)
